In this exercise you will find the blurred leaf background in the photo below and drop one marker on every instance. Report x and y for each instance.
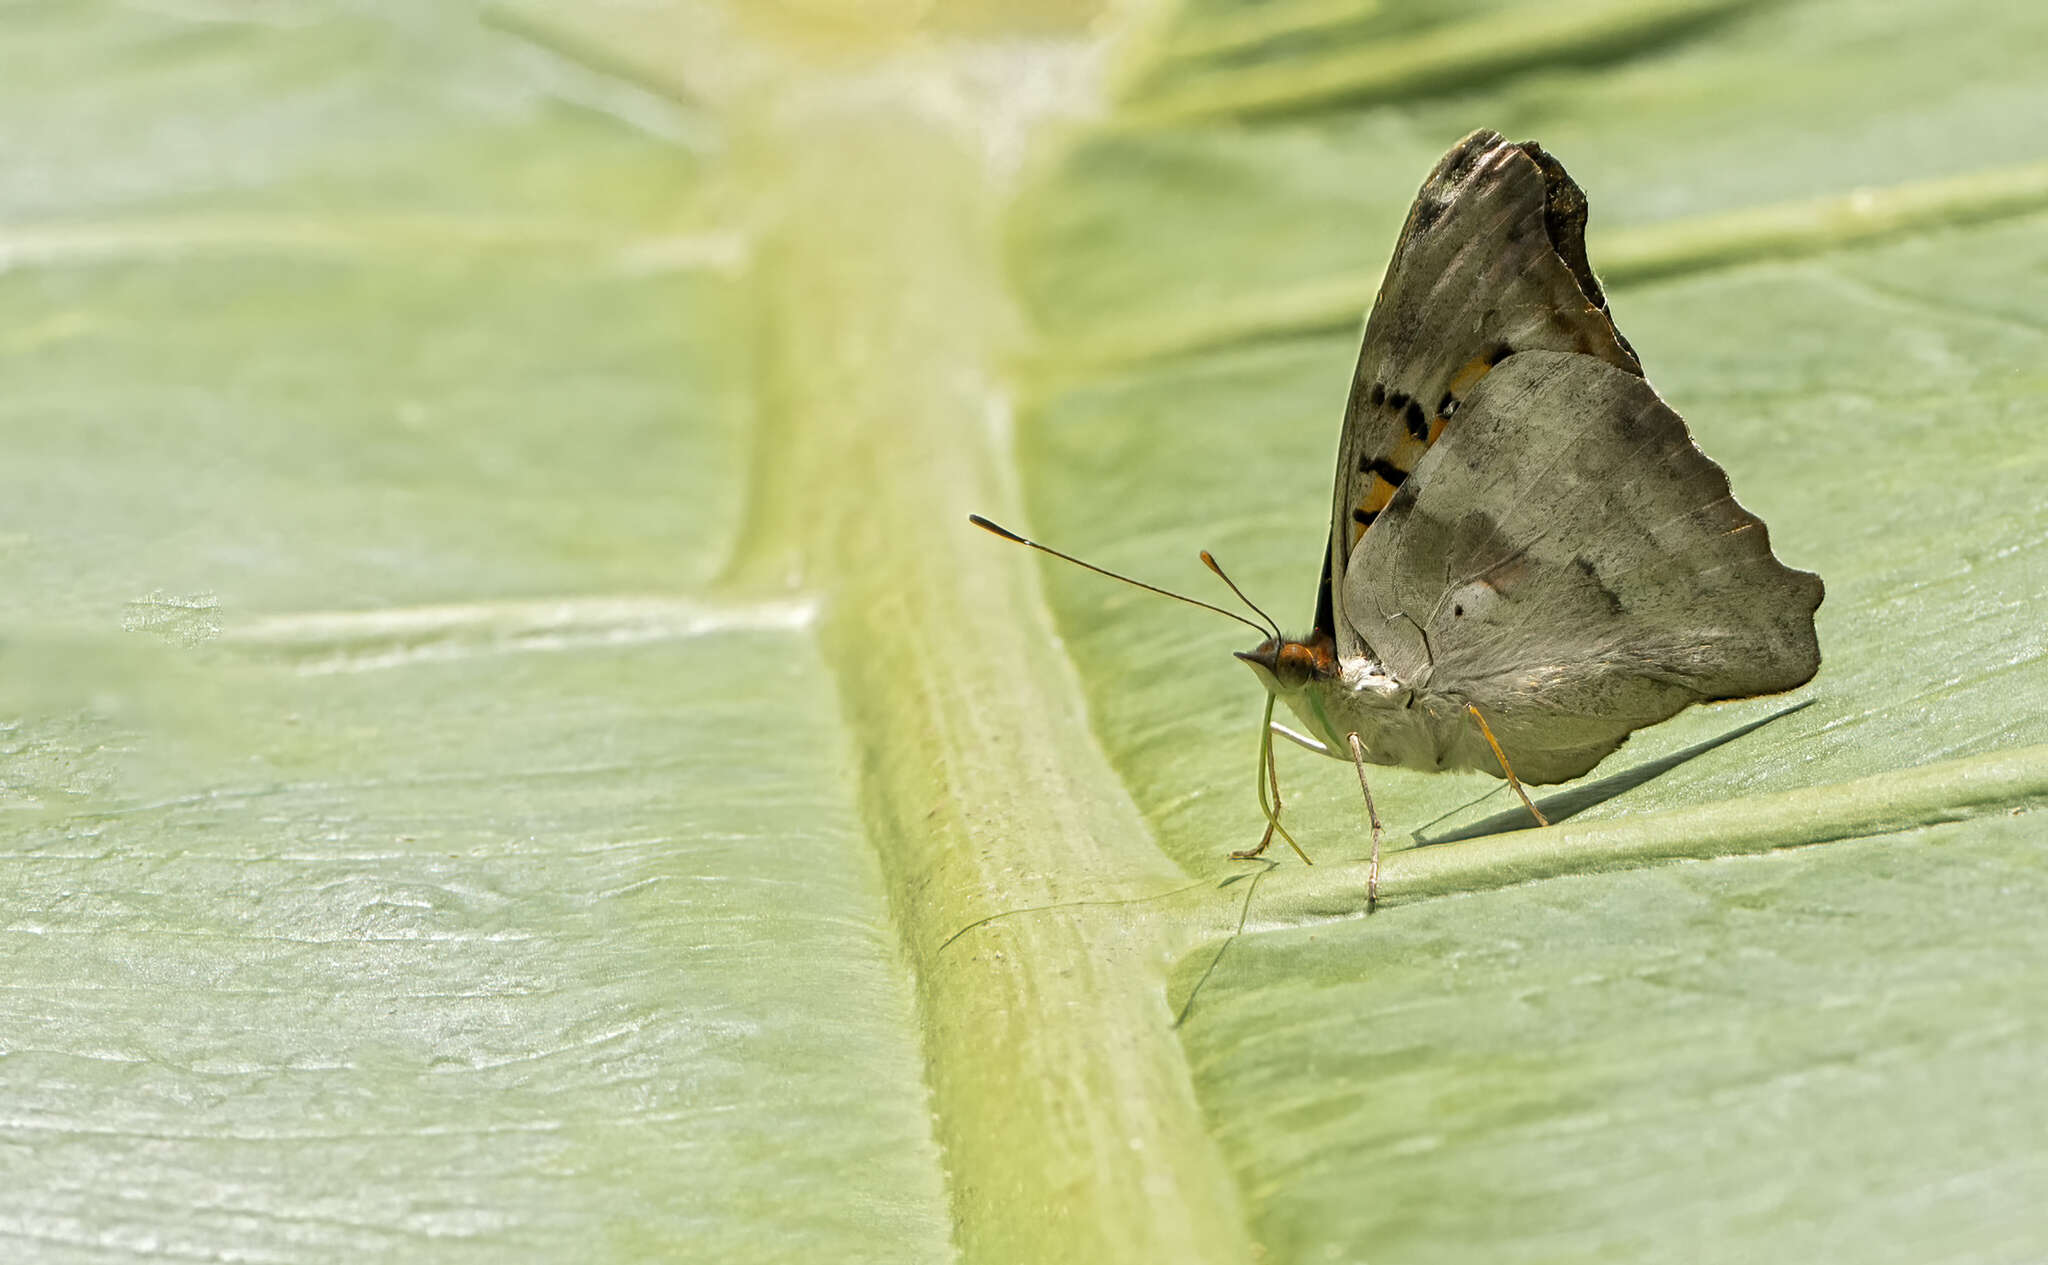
(508, 749)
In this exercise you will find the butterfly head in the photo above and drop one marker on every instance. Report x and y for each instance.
(1284, 665)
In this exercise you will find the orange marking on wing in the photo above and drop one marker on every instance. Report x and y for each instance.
(1436, 428)
(1406, 451)
(1377, 496)
(1468, 377)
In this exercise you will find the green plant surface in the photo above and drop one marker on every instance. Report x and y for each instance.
(510, 749)
(1517, 1072)
(1772, 105)
(1794, 1054)
(525, 954)
(408, 858)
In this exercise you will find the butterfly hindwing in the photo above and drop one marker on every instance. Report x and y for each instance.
(1568, 560)
(1491, 262)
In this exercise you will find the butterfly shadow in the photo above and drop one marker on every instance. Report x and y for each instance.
(1577, 800)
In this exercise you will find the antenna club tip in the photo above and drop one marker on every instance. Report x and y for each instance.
(996, 528)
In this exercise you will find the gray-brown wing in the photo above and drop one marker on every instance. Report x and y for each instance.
(1567, 559)
(1492, 261)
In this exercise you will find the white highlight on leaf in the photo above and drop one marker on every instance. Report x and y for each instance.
(174, 237)
(368, 641)
(186, 620)
(723, 253)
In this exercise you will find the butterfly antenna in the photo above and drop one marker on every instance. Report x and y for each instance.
(1013, 537)
(1209, 561)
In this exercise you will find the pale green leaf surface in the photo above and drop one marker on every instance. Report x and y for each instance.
(1816, 1054)
(399, 868)
(505, 957)
(1824, 1055)
(1776, 103)
(422, 851)
(360, 111)
(308, 433)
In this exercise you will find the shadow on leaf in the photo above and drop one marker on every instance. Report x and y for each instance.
(1578, 799)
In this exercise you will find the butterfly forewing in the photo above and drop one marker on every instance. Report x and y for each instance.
(1491, 262)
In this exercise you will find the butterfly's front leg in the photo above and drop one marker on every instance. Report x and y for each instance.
(1269, 774)
(1272, 811)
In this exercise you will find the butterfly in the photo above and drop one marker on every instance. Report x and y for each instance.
(1529, 557)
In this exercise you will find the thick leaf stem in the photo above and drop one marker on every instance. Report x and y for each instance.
(1060, 1092)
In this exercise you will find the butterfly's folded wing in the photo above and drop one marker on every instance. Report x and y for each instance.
(1568, 560)
(1492, 261)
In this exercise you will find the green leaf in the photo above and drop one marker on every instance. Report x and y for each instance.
(409, 857)
(510, 749)
(1754, 1056)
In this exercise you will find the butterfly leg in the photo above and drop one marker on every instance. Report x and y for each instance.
(1505, 767)
(1270, 772)
(1372, 874)
(1303, 741)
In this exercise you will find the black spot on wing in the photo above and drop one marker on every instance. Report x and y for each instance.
(1384, 468)
(1363, 517)
(1378, 395)
(1592, 573)
(1418, 425)
(1635, 426)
